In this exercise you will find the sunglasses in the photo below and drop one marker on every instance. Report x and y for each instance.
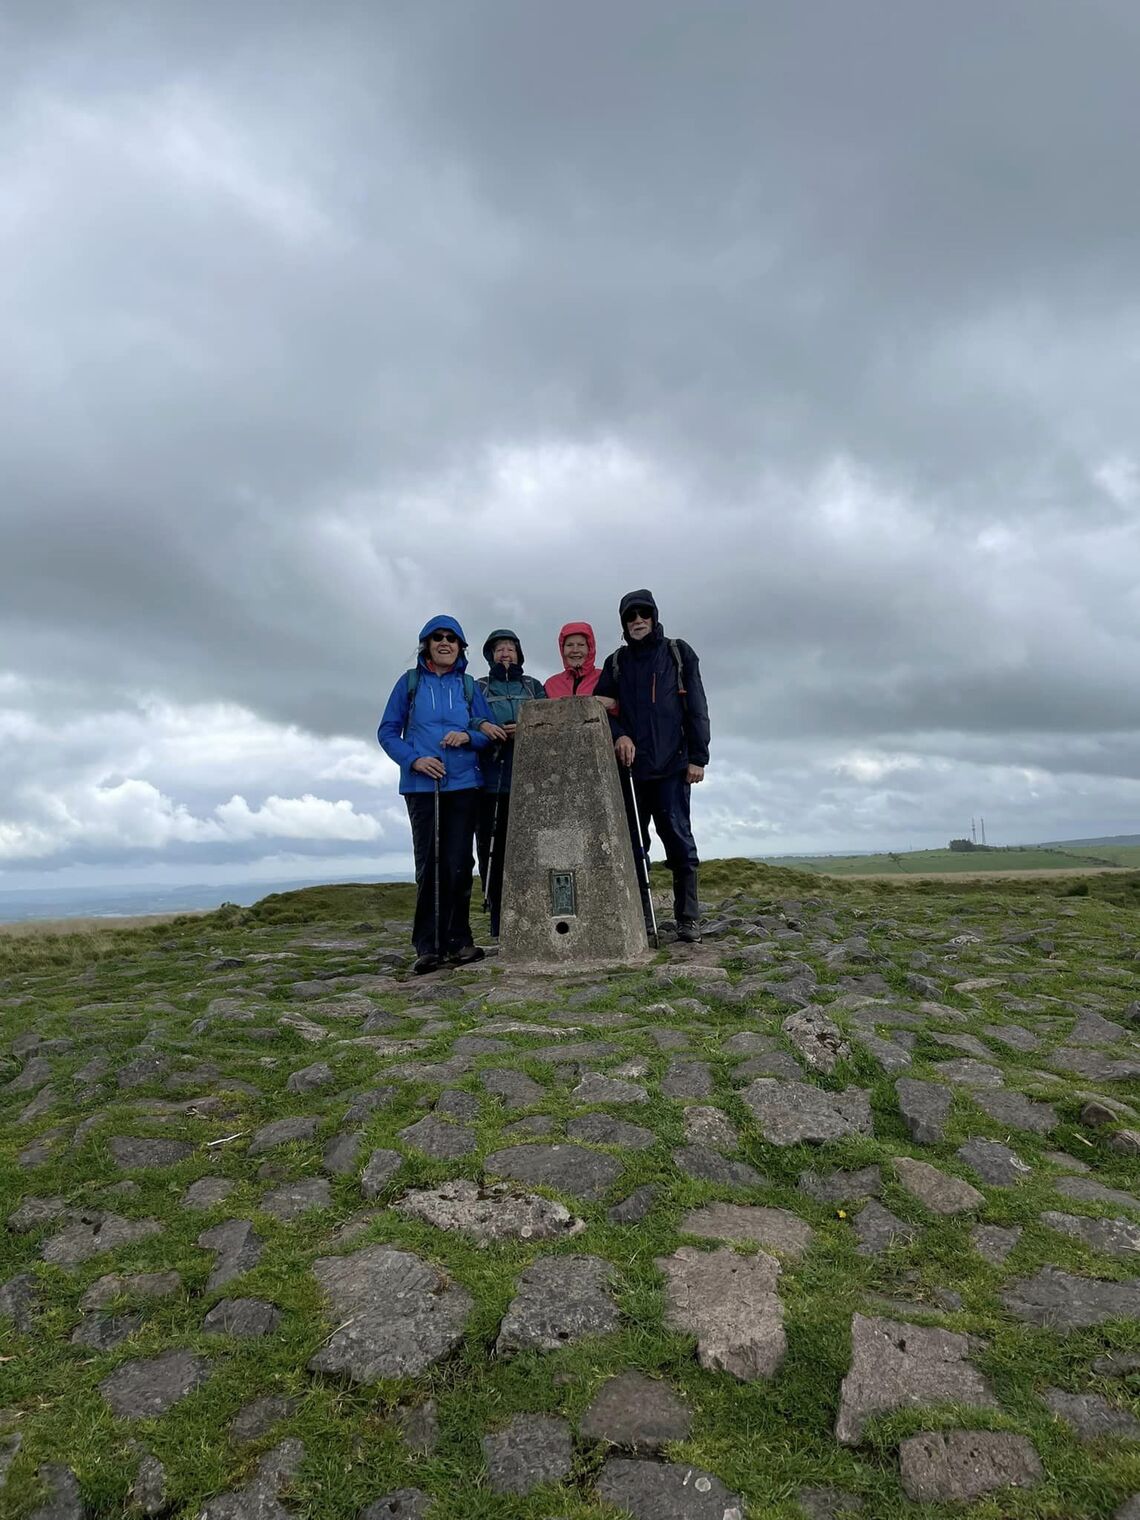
(445, 636)
(638, 612)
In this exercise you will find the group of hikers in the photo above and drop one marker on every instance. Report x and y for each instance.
(453, 739)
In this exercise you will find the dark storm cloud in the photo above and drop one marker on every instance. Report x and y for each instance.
(823, 320)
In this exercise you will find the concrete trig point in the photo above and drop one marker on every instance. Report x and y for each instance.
(570, 888)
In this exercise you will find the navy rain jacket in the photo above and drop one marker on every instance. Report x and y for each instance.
(669, 734)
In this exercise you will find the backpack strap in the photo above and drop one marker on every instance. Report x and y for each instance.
(681, 692)
(614, 662)
(411, 682)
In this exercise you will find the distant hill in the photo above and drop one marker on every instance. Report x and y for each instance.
(1073, 844)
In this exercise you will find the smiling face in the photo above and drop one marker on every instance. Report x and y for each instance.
(574, 650)
(443, 648)
(505, 652)
(639, 622)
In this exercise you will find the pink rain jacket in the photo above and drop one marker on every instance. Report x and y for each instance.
(571, 683)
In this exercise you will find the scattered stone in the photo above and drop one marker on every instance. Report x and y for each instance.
(1092, 1029)
(900, 1366)
(148, 1387)
(686, 1079)
(206, 1192)
(710, 1126)
(419, 1426)
(1119, 1364)
(439, 1139)
(1059, 1300)
(103, 1332)
(282, 1132)
(777, 1229)
(1088, 1190)
(64, 1501)
(876, 1228)
(381, 1168)
(994, 1163)
(258, 1417)
(703, 1164)
(828, 1503)
(937, 1190)
(1115, 1237)
(566, 1168)
(729, 1302)
(817, 1038)
(401, 1504)
(257, 1499)
(560, 1300)
(396, 1314)
(366, 1103)
(514, 1089)
(94, 1233)
(635, 1208)
(9, 1446)
(968, 1044)
(994, 1242)
(1012, 1035)
(310, 1079)
(238, 1247)
(243, 1318)
(969, 1073)
(788, 1112)
(34, 1212)
(340, 1155)
(601, 1129)
(1090, 1415)
(296, 1198)
(637, 1413)
(891, 1054)
(597, 1088)
(490, 1213)
(925, 1107)
(957, 1466)
(1017, 1111)
(533, 1449)
(533, 1124)
(1126, 1142)
(667, 1491)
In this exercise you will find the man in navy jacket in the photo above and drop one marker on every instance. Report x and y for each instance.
(661, 733)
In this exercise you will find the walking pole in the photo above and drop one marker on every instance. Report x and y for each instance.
(435, 874)
(643, 856)
(494, 833)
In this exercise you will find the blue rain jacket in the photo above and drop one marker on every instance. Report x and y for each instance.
(506, 689)
(440, 706)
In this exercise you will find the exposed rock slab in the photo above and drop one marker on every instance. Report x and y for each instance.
(439, 1139)
(994, 1163)
(603, 1129)
(730, 1304)
(243, 1318)
(935, 1189)
(1091, 1416)
(1115, 1237)
(93, 1233)
(560, 1300)
(282, 1132)
(818, 1039)
(777, 1229)
(1060, 1300)
(239, 1250)
(148, 1387)
(131, 1151)
(595, 1087)
(1017, 1111)
(566, 1168)
(637, 1413)
(295, 1198)
(788, 1112)
(705, 1125)
(667, 1491)
(842, 1186)
(994, 1242)
(876, 1229)
(490, 1213)
(925, 1107)
(531, 1450)
(958, 1466)
(901, 1366)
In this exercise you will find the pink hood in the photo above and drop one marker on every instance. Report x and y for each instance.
(563, 684)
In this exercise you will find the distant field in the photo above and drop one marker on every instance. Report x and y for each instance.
(966, 862)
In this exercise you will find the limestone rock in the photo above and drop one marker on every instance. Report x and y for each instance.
(958, 1466)
(239, 1250)
(381, 1168)
(602, 1129)
(494, 1212)
(666, 1491)
(560, 1300)
(637, 1413)
(296, 1198)
(819, 1041)
(730, 1304)
(925, 1107)
(243, 1318)
(788, 1112)
(566, 1168)
(633, 1210)
(64, 1501)
(1017, 1111)
(842, 1186)
(141, 1389)
(439, 1139)
(776, 1229)
(901, 1366)
(705, 1125)
(939, 1191)
(206, 1192)
(1090, 1415)
(994, 1242)
(531, 1450)
(1060, 1300)
(876, 1228)
(994, 1163)
(396, 1314)
(93, 1233)
(282, 1132)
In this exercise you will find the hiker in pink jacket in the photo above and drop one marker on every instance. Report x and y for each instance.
(580, 675)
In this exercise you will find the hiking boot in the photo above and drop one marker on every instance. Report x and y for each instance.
(425, 963)
(465, 955)
(689, 931)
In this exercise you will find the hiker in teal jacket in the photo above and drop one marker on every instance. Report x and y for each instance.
(434, 725)
(506, 689)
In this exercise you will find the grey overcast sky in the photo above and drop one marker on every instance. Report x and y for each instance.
(820, 319)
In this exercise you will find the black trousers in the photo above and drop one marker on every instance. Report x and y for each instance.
(491, 845)
(665, 803)
(457, 814)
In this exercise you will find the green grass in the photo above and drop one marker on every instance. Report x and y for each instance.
(106, 988)
(991, 858)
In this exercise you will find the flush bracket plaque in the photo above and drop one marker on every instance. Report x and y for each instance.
(563, 893)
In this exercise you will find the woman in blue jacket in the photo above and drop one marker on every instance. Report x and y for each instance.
(506, 689)
(435, 723)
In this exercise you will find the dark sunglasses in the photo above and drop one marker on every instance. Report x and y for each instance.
(444, 636)
(638, 612)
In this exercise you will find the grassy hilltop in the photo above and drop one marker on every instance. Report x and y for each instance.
(291, 1234)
